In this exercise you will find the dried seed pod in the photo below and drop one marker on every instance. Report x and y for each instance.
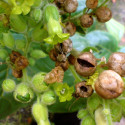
(60, 3)
(14, 55)
(71, 59)
(103, 14)
(83, 90)
(21, 63)
(17, 73)
(116, 62)
(86, 20)
(91, 4)
(56, 75)
(70, 28)
(109, 84)
(70, 6)
(53, 55)
(85, 64)
(61, 58)
(64, 65)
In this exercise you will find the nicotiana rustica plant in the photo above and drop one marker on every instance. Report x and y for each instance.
(52, 58)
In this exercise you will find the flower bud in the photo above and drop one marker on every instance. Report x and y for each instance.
(116, 63)
(48, 98)
(36, 14)
(3, 54)
(85, 64)
(14, 55)
(42, 122)
(39, 112)
(8, 85)
(86, 20)
(17, 73)
(82, 113)
(103, 14)
(37, 54)
(8, 40)
(23, 93)
(20, 44)
(38, 83)
(88, 121)
(70, 6)
(18, 23)
(109, 84)
(83, 90)
(91, 4)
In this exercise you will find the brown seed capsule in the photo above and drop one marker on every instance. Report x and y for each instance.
(64, 65)
(116, 62)
(21, 63)
(53, 55)
(14, 55)
(91, 4)
(86, 20)
(64, 47)
(71, 59)
(17, 73)
(70, 6)
(61, 57)
(85, 64)
(103, 14)
(109, 84)
(60, 3)
(56, 75)
(70, 28)
(83, 90)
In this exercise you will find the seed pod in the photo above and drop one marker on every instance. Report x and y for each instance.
(103, 14)
(70, 6)
(71, 59)
(64, 47)
(70, 28)
(86, 20)
(64, 65)
(83, 90)
(109, 84)
(14, 55)
(91, 4)
(116, 63)
(61, 58)
(53, 55)
(85, 64)
(17, 73)
(60, 3)
(56, 75)
(21, 63)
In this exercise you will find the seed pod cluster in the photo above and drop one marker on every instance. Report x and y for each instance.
(56, 75)
(20, 62)
(85, 64)
(59, 54)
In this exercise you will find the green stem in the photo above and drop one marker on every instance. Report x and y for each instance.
(107, 112)
(77, 78)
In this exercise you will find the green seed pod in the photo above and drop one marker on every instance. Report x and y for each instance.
(82, 114)
(48, 97)
(18, 23)
(51, 11)
(3, 54)
(23, 93)
(88, 121)
(8, 40)
(38, 34)
(20, 44)
(38, 83)
(8, 85)
(31, 61)
(36, 14)
(40, 112)
(37, 54)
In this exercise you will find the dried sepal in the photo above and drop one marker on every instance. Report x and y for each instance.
(71, 59)
(61, 57)
(56, 75)
(14, 55)
(91, 4)
(53, 55)
(17, 73)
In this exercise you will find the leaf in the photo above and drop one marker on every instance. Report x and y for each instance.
(116, 29)
(87, 49)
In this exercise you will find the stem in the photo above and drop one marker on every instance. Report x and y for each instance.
(107, 112)
(77, 78)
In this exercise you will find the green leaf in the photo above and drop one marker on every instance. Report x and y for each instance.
(87, 49)
(116, 29)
